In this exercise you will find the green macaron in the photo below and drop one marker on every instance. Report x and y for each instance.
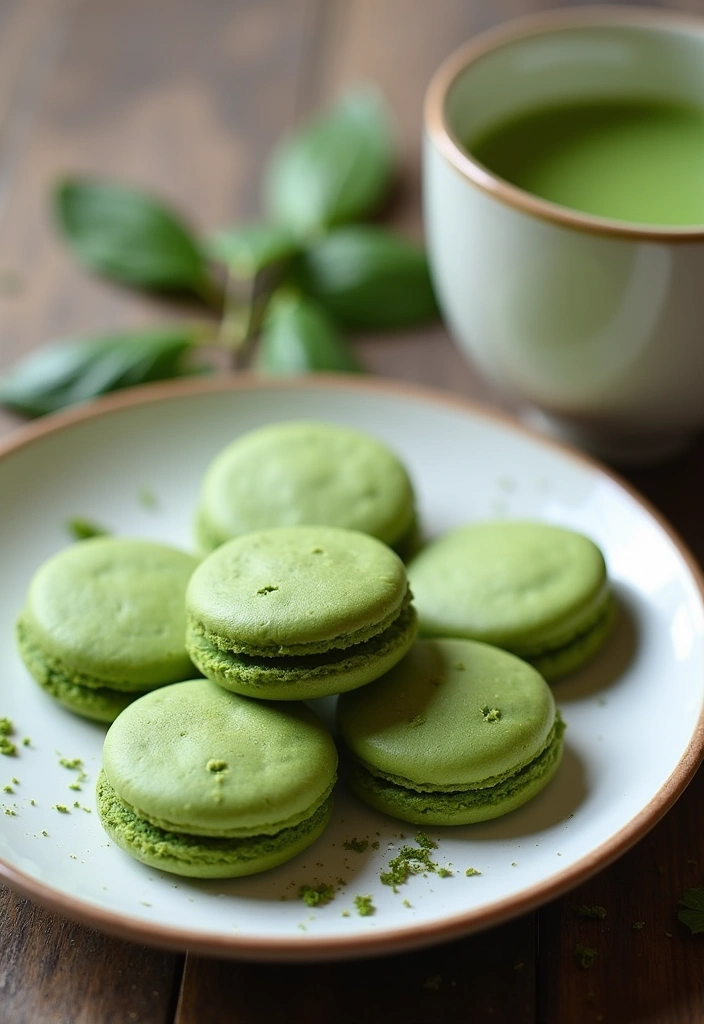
(306, 473)
(457, 732)
(540, 591)
(210, 784)
(104, 621)
(298, 612)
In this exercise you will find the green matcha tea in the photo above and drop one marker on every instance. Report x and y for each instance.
(631, 161)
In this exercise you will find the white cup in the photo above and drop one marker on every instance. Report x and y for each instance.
(595, 326)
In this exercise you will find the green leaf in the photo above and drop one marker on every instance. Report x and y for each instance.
(249, 249)
(369, 278)
(129, 237)
(336, 168)
(73, 371)
(693, 915)
(298, 336)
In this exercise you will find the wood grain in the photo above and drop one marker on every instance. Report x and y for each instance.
(56, 972)
(485, 978)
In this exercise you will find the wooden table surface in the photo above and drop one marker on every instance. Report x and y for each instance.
(186, 98)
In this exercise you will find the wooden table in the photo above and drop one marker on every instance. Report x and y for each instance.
(187, 97)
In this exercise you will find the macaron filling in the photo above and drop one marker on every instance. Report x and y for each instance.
(489, 798)
(279, 675)
(202, 856)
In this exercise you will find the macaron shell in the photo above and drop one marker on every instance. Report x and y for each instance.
(305, 472)
(296, 590)
(452, 714)
(519, 584)
(195, 758)
(202, 856)
(110, 612)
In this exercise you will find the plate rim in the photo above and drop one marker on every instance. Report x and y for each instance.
(394, 939)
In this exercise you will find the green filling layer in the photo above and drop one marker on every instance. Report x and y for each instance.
(203, 856)
(558, 661)
(461, 806)
(331, 647)
(216, 663)
(94, 700)
(43, 666)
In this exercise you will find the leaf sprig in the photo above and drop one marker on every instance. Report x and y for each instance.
(281, 292)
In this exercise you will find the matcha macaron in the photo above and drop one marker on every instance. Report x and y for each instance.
(538, 590)
(457, 732)
(104, 621)
(206, 783)
(298, 612)
(306, 473)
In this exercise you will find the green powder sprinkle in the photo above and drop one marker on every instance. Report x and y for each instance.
(375, 844)
(410, 860)
(83, 529)
(444, 873)
(417, 720)
(585, 955)
(33, 803)
(74, 763)
(9, 810)
(6, 727)
(357, 845)
(8, 789)
(147, 498)
(7, 747)
(345, 913)
(595, 911)
(491, 714)
(471, 872)
(364, 905)
(26, 742)
(15, 782)
(316, 896)
(61, 808)
(44, 832)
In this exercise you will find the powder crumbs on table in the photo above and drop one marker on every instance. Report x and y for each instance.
(6, 727)
(470, 872)
(318, 895)
(595, 911)
(585, 955)
(358, 845)
(61, 808)
(7, 747)
(364, 905)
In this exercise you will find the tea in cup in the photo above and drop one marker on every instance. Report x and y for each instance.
(564, 212)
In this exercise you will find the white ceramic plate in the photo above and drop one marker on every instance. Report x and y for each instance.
(635, 715)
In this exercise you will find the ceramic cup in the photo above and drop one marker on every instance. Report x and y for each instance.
(595, 326)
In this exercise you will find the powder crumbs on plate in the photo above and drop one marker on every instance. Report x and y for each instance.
(6, 727)
(585, 955)
(444, 873)
(83, 529)
(470, 872)
(358, 845)
(147, 498)
(8, 788)
(595, 911)
(364, 905)
(74, 764)
(375, 844)
(7, 747)
(410, 860)
(61, 808)
(316, 895)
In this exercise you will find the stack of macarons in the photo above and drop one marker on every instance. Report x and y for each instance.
(302, 591)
